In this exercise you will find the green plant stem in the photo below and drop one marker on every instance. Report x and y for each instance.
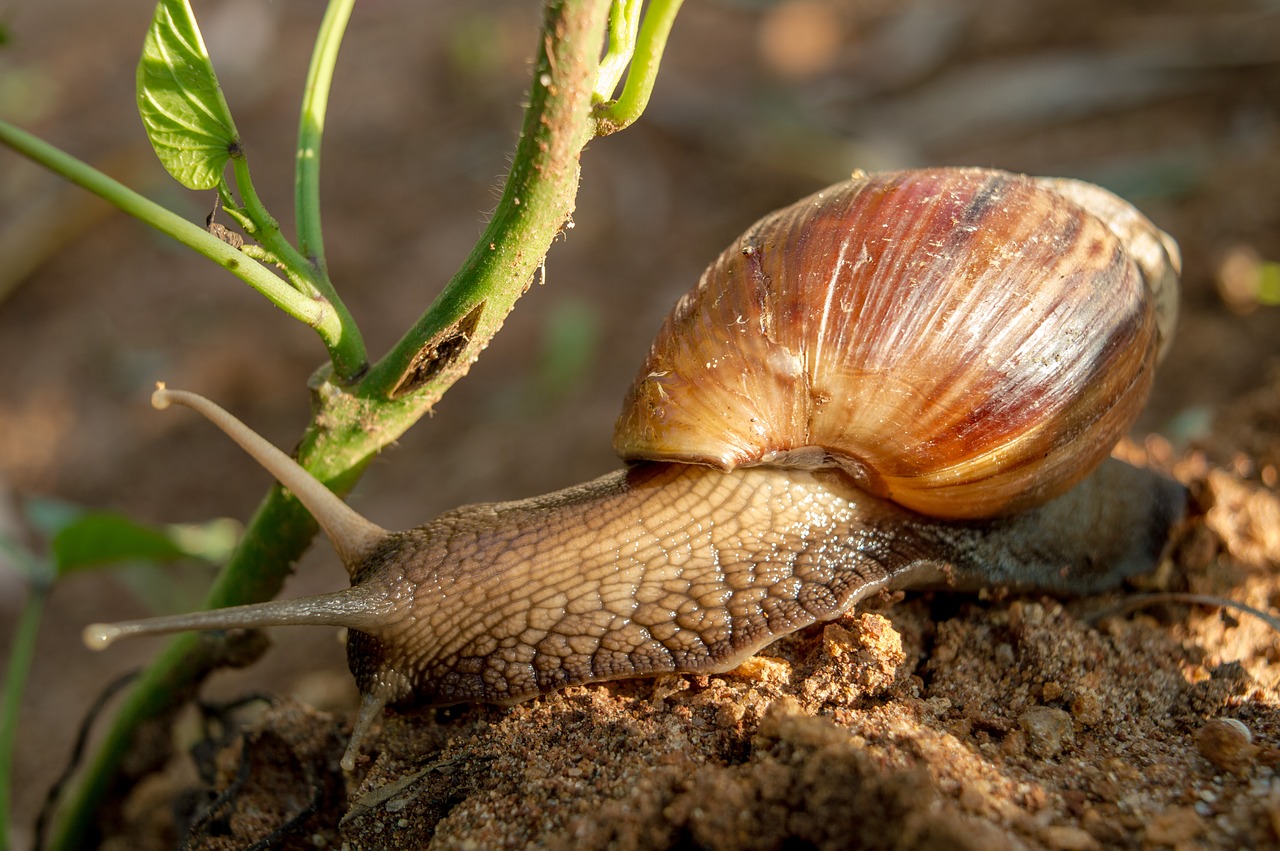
(315, 99)
(350, 425)
(317, 313)
(348, 351)
(537, 201)
(23, 650)
(643, 72)
(263, 226)
(624, 21)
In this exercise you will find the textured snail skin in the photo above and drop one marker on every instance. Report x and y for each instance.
(670, 567)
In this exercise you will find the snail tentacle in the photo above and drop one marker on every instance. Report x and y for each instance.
(353, 536)
(357, 607)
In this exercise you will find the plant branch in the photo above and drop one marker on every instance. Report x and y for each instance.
(317, 313)
(347, 352)
(624, 22)
(537, 203)
(190, 126)
(643, 72)
(315, 99)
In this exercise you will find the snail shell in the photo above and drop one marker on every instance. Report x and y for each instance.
(964, 342)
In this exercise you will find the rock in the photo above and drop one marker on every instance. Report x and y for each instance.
(1048, 730)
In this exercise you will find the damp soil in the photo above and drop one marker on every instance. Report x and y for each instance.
(927, 720)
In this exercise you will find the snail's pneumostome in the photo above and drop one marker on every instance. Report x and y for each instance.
(909, 379)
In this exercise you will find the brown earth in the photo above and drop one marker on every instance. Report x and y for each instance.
(937, 721)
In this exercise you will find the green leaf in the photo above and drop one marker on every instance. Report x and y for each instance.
(181, 104)
(98, 538)
(95, 539)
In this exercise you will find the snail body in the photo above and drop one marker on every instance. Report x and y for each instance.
(910, 379)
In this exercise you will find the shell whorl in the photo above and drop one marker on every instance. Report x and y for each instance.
(965, 342)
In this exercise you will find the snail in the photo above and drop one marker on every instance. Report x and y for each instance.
(909, 379)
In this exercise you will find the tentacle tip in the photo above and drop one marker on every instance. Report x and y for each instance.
(100, 636)
(371, 706)
(160, 398)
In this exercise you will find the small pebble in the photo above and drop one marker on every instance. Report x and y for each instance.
(729, 714)
(762, 669)
(1086, 706)
(1227, 743)
(1048, 730)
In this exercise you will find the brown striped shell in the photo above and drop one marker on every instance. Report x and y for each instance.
(965, 342)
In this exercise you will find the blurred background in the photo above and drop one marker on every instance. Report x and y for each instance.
(1173, 104)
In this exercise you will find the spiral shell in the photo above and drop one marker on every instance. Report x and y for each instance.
(965, 342)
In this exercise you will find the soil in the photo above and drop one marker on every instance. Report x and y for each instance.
(936, 720)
